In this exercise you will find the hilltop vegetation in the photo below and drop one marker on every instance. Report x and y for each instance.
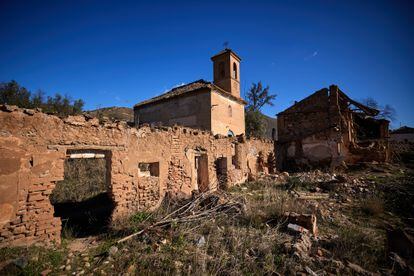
(12, 93)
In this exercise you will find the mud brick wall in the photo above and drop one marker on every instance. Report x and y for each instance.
(319, 132)
(308, 117)
(34, 146)
(149, 192)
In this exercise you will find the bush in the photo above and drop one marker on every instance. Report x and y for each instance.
(373, 205)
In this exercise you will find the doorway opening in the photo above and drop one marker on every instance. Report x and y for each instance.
(201, 168)
(221, 171)
(83, 200)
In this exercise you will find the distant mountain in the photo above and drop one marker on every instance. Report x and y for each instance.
(402, 130)
(114, 113)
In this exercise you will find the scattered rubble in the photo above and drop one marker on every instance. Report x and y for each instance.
(307, 221)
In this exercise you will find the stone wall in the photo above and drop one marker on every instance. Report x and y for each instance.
(34, 146)
(192, 110)
(320, 131)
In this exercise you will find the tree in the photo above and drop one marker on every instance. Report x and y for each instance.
(38, 99)
(255, 123)
(257, 97)
(385, 112)
(13, 94)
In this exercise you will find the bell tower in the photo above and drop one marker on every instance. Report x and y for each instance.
(226, 68)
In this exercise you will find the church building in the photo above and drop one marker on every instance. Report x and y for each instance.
(215, 106)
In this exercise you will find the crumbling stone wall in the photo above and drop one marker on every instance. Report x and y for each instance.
(34, 146)
(320, 131)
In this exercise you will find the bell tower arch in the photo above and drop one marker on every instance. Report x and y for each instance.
(226, 70)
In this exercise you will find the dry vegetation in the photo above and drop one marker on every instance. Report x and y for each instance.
(243, 231)
(84, 179)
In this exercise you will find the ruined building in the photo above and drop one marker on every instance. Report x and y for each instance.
(330, 129)
(142, 165)
(158, 158)
(216, 106)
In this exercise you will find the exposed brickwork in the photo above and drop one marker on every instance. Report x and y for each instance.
(34, 146)
(321, 130)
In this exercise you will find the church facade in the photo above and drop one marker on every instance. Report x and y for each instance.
(215, 106)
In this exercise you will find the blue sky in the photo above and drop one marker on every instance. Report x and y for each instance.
(119, 53)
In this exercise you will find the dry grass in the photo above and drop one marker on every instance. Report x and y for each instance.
(84, 179)
(247, 243)
(359, 245)
(373, 205)
(251, 242)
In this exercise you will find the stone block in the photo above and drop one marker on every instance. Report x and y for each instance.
(18, 230)
(35, 197)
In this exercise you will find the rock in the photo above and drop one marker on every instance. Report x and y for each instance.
(68, 268)
(302, 246)
(21, 262)
(284, 174)
(45, 272)
(296, 228)
(29, 111)
(178, 264)
(338, 264)
(87, 265)
(113, 250)
(319, 253)
(75, 120)
(9, 108)
(131, 269)
(307, 221)
(201, 241)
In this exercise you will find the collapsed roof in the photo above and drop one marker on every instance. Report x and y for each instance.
(342, 96)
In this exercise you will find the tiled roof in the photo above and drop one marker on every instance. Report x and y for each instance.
(188, 88)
